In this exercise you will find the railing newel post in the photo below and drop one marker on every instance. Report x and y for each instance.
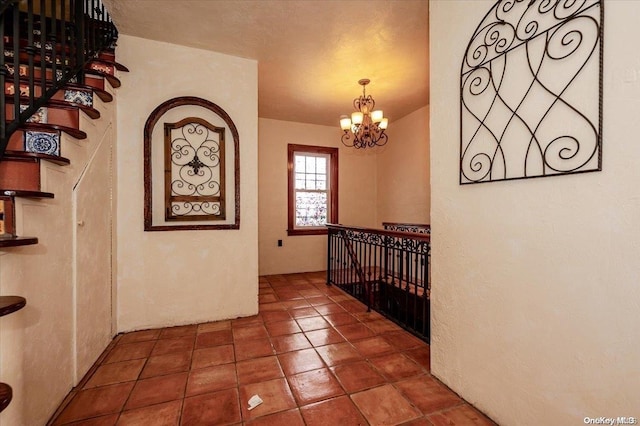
(329, 254)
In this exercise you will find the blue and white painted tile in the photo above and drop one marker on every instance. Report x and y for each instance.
(43, 143)
(79, 97)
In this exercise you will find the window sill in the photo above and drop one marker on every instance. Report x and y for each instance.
(313, 231)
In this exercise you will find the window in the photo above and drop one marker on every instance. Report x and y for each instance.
(313, 189)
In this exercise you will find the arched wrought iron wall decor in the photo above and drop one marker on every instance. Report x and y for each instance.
(531, 91)
(194, 162)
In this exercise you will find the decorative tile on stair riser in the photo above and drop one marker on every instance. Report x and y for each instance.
(10, 89)
(43, 143)
(42, 116)
(59, 77)
(47, 45)
(11, 70)
(103, 68)
(47, 58)
(79, 97)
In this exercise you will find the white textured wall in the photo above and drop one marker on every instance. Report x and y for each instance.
(536, 295)
(356, 201)
(181, 277)
(37, 343)
(403, 171)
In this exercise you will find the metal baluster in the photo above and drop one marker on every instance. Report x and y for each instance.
(424, 299)
(16, 64)
(103, 25)
(78, 17)
(416, 296)
(3, 73)
(63, 37)
(43, 52)
(93, 30)
(329, 246)
(52, 39)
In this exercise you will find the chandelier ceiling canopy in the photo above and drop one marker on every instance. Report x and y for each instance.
(366, 126)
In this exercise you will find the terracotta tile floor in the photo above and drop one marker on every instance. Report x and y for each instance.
(313, 354)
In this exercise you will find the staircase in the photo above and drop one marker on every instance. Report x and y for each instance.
(53, 67)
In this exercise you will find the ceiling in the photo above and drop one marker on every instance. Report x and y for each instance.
(310, 53)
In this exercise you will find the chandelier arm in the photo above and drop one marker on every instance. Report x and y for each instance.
(382, 139)
(346, 137)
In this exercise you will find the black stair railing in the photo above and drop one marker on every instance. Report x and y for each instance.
(389, 271)
(45, 45)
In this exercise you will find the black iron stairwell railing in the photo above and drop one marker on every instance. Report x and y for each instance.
(46, 44)
(389, 271)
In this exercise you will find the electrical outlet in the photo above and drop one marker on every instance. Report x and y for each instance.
(279, 243)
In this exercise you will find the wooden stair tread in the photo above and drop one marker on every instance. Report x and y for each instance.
(5, 395)
(113, 80)
(8, 155)
(25, 194)
(59, 103)
(10, 304)
(17, 241)
(48, 127)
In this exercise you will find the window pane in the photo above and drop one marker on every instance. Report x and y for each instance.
(300, 161)
(321, 182)
(310, 182)
(311, 208)
(311, 165)
(321, 165)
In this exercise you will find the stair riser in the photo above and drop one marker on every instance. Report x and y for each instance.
(37, 57)
(60, 116)
(60, 94)
(18, 142)
(7, 217)
(107, 56)
(20, 174)
(98, 83)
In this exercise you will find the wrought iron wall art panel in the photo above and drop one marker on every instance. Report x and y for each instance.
(531, 91)
(194, 170)
(190, 172)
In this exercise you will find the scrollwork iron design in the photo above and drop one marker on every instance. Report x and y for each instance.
(418, 228)
(407, 244)
(194, 170)
(528, 102)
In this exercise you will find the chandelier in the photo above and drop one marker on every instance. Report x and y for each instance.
(366, 126)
